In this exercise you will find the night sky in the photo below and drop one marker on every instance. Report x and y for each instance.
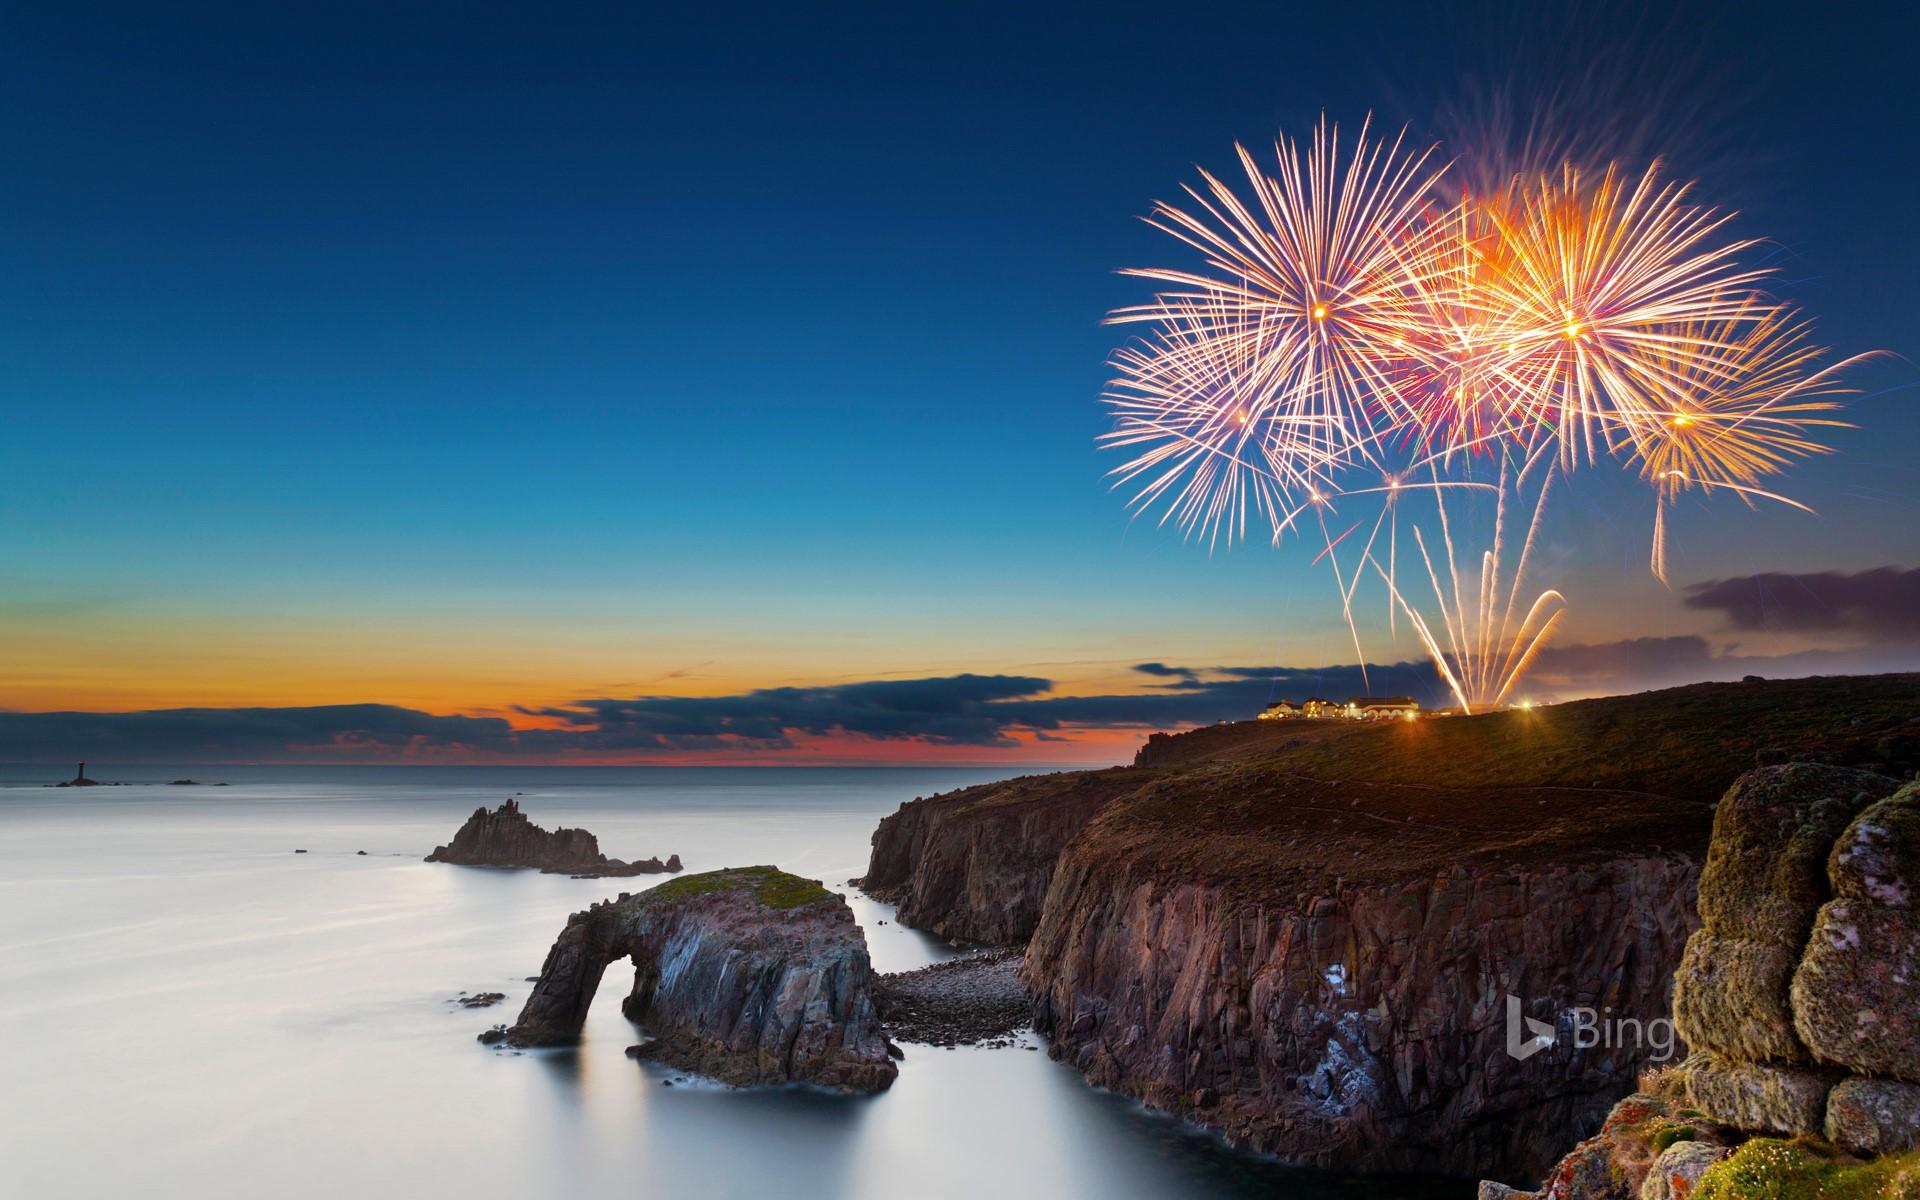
(509, 363)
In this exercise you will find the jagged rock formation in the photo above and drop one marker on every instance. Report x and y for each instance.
(1800, 997)
(748, 976)
(1304, 937)
(505, 837)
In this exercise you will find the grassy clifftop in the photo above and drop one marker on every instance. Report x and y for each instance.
(1276, 801)
(1686, 742)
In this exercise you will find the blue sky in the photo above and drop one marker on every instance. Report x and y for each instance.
(467, 355)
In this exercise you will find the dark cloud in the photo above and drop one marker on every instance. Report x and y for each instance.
(244, 734)
(957, 710)
(1179, 679)
(1881, 603)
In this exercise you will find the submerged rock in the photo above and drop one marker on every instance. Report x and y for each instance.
(747, 975)
(505, 837)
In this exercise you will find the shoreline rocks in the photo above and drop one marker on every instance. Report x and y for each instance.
(747, 975)
(505, 837)
(971, 1001)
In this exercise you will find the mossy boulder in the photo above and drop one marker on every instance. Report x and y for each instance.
(1766, 869)
(1730, 996)
(1877, 859)
(1856, 995)
(1765, 878)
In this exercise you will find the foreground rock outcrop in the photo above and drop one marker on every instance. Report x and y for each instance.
(1305, 935)
(748, 976)
(1802, 991)
(505, 837)
(1800, 997)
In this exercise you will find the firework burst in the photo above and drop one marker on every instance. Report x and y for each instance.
(1352, 339)
(1589, 290)
(1279, 364)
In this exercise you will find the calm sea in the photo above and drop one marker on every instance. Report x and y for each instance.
(192, 1009)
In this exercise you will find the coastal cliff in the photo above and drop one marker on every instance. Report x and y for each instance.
(1304, 935)
(1321, 971)
(747, 975)
(975, 864)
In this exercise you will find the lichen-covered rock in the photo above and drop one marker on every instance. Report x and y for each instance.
(1856, 997)
(1874, 1116)
(1877, 859)
(1730, 995)
(1676, 1173)
(505, 837)
(748, 976)
(1647, 1149)
(1756, 1097)
(1614, 1164)
(1490, 1190)
(1764, 880)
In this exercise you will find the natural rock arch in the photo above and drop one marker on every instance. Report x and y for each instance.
(747, 975)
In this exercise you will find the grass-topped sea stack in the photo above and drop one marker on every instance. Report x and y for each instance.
(747, 975)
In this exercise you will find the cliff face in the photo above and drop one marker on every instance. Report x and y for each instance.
(505, 837)
(975, 864)
(1355, 1016)
(748, 976)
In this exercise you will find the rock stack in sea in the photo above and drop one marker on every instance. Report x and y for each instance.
(505, 837)
(747, 975)
(1799, 998)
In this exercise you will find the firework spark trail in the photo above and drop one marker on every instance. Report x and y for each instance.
(1728, 435)
(1483, 657)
